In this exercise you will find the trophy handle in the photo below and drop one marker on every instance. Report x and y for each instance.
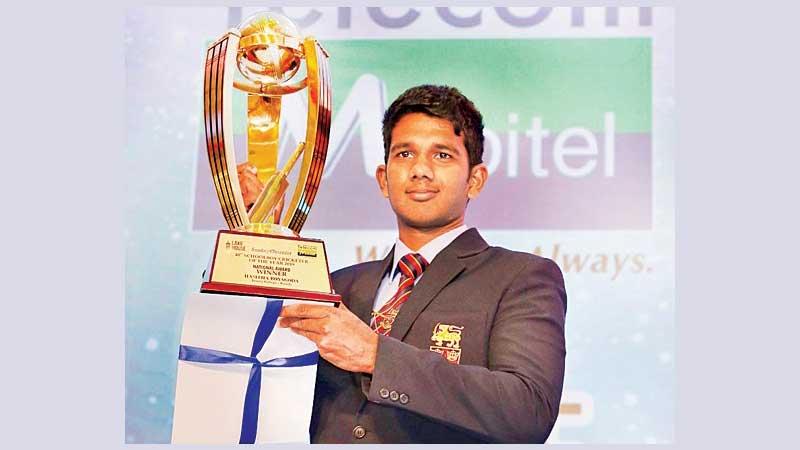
(218, 88)
(318, 128)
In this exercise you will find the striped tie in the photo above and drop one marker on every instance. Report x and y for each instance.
(411, 267)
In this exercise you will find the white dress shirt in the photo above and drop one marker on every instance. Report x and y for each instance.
(391, 281)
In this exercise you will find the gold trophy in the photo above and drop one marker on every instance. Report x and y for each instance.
(262, 253)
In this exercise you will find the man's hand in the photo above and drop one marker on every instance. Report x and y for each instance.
(342, 338)
(249, 182)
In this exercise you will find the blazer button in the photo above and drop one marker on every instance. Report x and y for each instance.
(403, 398)
(394, 396)
(359, 432)
(384, 393)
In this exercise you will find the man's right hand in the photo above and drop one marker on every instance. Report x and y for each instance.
(250, 184)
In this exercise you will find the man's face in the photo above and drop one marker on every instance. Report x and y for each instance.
(427, 177)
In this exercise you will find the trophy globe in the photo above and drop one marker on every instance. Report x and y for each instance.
(268, 49)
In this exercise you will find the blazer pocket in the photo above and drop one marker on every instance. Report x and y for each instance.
(461, 337)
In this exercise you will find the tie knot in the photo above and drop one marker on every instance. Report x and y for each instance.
(412, 265)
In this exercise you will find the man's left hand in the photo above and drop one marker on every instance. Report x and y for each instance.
(342, 338)
(249, 183)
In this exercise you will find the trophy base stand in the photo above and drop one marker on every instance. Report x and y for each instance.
(210, 396)
(210, 287)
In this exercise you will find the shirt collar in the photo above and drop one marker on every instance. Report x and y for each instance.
(429, 250)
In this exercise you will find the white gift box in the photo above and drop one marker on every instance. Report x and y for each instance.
(210, 397)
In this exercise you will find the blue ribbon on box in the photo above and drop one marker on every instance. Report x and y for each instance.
(265, 327)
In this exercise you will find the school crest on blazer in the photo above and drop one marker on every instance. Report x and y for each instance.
(446, 340)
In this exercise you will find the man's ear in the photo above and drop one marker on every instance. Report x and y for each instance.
(478, 175)
(380, 177)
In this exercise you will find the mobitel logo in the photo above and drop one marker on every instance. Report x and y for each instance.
(567, 137)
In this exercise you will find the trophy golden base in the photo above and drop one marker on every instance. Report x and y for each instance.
(270, 266)
(241, 289)
(267, 228)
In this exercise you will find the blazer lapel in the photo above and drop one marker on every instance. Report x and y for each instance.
(363, 295)
(447, 265)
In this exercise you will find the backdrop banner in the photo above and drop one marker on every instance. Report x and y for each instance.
(580, 116)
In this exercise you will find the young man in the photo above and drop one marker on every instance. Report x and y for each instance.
(446, 340)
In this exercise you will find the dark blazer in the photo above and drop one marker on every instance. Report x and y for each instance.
(500, 312)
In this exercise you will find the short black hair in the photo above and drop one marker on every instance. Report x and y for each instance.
(438, 101)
